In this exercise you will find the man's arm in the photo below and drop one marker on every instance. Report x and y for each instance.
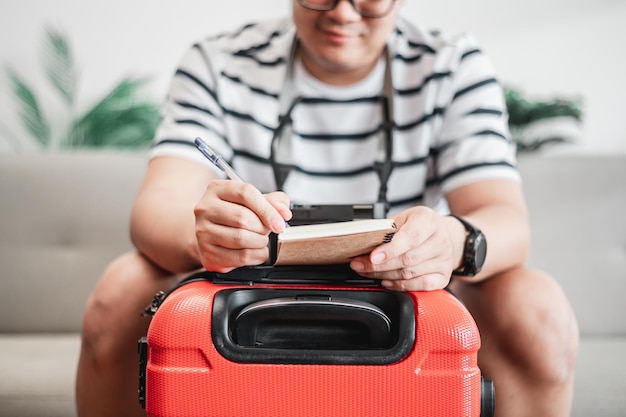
(184, 218)
(498, 209)
(162, 221)
(427, 246)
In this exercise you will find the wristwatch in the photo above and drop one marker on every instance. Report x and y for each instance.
(474, 252)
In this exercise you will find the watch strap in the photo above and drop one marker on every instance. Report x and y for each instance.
(469, 267)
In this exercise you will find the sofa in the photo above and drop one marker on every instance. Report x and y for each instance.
(64, 216)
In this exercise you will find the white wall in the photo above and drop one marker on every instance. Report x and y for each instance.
(544, 47)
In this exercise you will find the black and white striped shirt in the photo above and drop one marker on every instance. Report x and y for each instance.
(450, 120)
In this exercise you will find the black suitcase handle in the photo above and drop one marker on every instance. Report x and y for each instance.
(312, 322)
(313, 326)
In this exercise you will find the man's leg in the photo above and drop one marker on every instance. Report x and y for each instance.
(529, 341)
(107, 377)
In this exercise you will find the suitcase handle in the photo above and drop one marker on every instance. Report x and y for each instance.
(312, 322)
(313, 326)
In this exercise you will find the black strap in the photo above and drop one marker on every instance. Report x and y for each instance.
(280, 152)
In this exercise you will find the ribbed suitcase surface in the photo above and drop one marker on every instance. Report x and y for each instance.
(187, 375)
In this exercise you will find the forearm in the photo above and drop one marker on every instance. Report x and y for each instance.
(504, 222)
(506, 231)
(163, 221)
(164, 231)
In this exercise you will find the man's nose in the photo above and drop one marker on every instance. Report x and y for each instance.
(345, 10)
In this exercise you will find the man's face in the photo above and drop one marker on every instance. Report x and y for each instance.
(340, 46)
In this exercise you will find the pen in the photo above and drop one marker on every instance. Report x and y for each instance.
(217, 160)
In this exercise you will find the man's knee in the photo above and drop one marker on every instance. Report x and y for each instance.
(112, 319)
(528, 320)
(541, 327)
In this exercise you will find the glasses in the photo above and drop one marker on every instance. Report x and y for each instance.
(366, 8)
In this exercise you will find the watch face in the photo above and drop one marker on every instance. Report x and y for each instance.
(480, 251)
(475, 250)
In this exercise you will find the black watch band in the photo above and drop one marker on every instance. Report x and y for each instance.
(474, 250)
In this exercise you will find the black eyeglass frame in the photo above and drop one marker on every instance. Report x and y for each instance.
(331, 6)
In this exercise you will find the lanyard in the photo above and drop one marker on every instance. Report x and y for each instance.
(280, 153)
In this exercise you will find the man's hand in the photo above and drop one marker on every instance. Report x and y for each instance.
(421, 256)
(233, 222)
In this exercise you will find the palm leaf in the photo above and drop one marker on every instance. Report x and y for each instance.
(59, 64)
(122, 119)
(119, 120)
(522, 112)
(30, 111)
(555, 108)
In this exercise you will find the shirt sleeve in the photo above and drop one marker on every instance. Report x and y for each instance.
(474, 143)
(192, 109)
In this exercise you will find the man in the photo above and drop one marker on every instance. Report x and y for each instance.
(451, 151)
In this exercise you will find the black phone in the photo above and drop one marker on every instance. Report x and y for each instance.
(329, 213)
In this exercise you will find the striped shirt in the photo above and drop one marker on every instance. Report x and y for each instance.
(449, 117)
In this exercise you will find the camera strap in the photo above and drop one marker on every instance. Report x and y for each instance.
(280, 153)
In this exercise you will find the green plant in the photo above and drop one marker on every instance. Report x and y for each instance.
(122, 119)
(529, 121)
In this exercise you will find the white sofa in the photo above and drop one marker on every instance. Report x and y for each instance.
(64, 216)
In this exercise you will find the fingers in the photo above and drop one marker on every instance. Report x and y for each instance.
(430, 282)
(220, 259)
(243, 205)
(419, 258)
(281, 202)
(416, 270)
(233, 221)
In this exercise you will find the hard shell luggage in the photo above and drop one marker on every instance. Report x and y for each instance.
(278, 342)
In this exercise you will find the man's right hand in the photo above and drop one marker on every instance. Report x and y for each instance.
(233, 222)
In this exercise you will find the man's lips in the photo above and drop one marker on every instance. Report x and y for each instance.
(337, 36)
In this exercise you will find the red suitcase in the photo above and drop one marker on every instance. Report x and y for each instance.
(327, 348)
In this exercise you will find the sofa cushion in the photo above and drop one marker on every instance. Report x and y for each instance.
(577, 206)
(38, 374)
(63, 217)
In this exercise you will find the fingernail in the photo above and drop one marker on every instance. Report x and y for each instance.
(278, 224)
(387, 284)
(357, 266)
(377, 257)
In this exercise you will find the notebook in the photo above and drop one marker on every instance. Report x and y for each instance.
(331, 243)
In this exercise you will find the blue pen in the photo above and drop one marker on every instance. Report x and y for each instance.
(217, 160)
